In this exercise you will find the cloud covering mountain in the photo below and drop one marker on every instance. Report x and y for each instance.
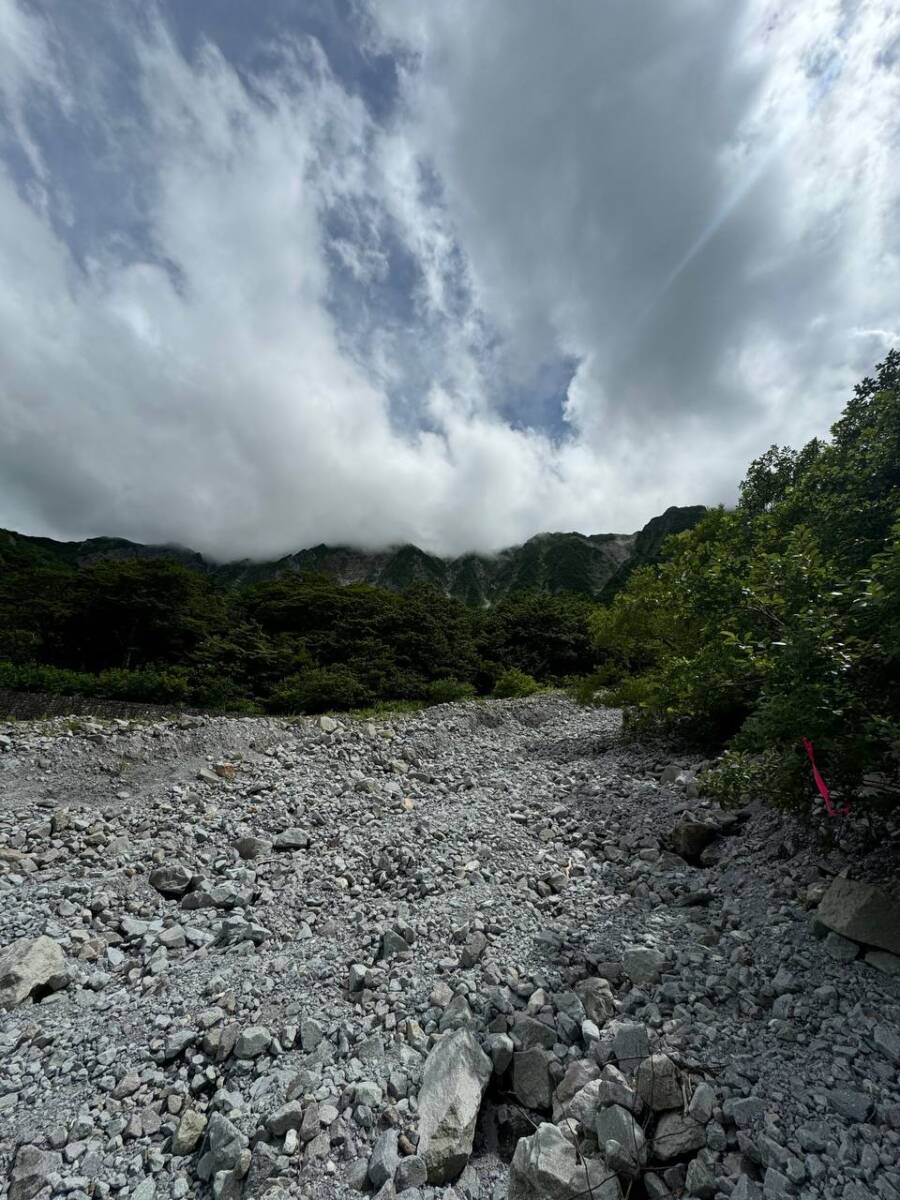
(447, 274)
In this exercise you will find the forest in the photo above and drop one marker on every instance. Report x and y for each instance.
(156, 631)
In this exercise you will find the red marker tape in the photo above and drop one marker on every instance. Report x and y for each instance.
(822, 785)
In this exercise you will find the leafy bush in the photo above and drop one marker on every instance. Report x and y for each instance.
(780, 620)
(446, 691)
(515, 685)
(319, 690)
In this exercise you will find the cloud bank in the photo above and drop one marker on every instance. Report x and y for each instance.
(534, 267)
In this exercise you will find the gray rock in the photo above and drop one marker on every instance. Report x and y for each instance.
(222, 1147)
(171, 879)
(863, 913)
(453, 1081)
(28, 966)
(841, 949)
(500, 1047)
(596, 996)
(189, 1132)
(702, 1103)
(614, 1088)
(292, 839)
(677, 1135)
(617, 1124)
(743, 1110)
(289, 1116)
(855, 1106)
(384, 1159)
(643, 965)
(253, 1041)
(411, 1173)
(881, 960)
(886, 1039)
(250, 847)
(701, 1179)
(658, 1083)
(529, 1033)
(476, 944)
(631, 1044)
(32, 1171)
(531, 1077)
(546, 1166)
(689, 839)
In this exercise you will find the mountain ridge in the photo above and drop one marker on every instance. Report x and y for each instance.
(589, 564)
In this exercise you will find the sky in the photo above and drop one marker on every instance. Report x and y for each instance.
(435, 271)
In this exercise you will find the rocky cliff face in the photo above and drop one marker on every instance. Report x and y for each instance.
(591, 564)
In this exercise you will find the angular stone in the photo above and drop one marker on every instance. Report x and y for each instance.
(677, 1135)
(702, 1103)
(292, 839)
(743, 1110)
(658, 1083)
(886, 1039)
(631, 1044)
(863, 913)
(618, 1125)
(171, 879)
(411, 1173)
(546, 1166)
(31, 1171)
(476, 944)
(289, 1116)
(531, 1077)
(189, 1132)
(578, 1075)
(615, 1089)
(253, 1041)
(643, 965)
(250, 847)
(222, 1147)
(384, 1159)
(839, 948)
(887, 964)
(583, 1105)
(596, 996)
(529, 1033)
(701, 1179)
(855, 1106)
(28, 966)
(690, 838)
(453, 1081)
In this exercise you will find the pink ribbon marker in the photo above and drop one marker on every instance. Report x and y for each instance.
(822, 785)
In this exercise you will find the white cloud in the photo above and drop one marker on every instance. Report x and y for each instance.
(548, 169)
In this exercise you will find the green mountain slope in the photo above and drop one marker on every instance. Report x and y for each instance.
(589, 564)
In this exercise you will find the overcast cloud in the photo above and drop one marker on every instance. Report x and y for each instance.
(450, 273)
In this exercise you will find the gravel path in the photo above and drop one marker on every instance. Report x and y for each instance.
(263, 928)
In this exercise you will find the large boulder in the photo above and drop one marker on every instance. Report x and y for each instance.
(32, 1171)
(456, 1073)
(676, 1136)
(28, 966)
(689, 838)
(546, 1166)
(171, 879)
(659, 1083)
(596, 996)
(862, 912)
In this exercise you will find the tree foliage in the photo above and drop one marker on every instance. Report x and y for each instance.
(154, 630)
(779, 620)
